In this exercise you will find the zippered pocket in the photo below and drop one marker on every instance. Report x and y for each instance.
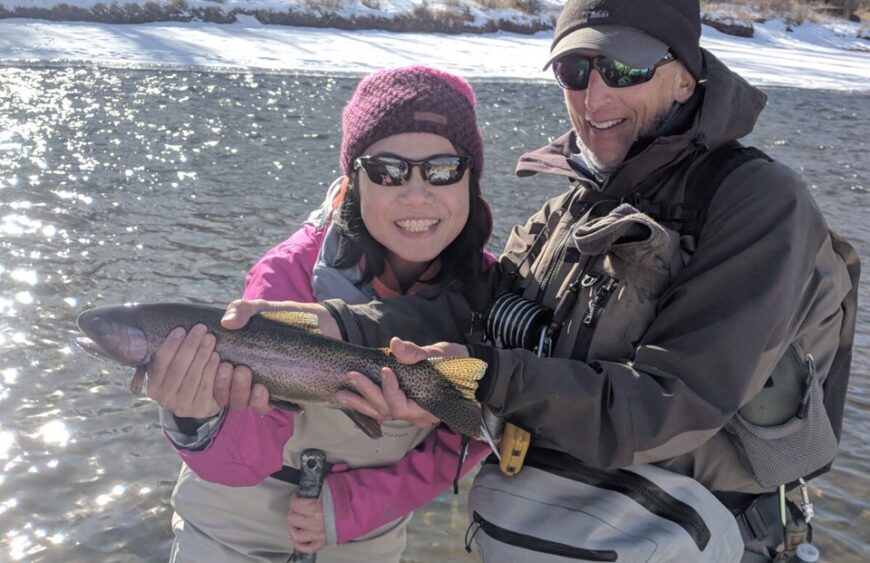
(643, 491)
(532, 543)
(642, 513)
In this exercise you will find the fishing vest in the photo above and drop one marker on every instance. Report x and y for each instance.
(586, 287)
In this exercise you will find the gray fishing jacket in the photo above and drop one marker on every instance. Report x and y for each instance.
(761, 279)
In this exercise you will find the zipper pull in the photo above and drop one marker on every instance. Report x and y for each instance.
(476, 525)
(589, 280)
(597, 298)
(811, 375)
(590, 312)
(806, 503)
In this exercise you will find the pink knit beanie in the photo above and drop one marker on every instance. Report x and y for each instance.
(412, 99)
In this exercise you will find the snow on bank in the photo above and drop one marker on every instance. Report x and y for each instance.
(455, 16)
(819, 56)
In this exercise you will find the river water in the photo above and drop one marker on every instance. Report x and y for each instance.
(122, 185)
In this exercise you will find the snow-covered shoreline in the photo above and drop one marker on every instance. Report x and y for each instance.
(827, 56)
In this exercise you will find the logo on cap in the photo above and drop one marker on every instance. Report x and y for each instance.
(430, 116)
(599, 14)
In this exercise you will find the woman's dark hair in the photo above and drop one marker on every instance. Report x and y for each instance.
(461, 260)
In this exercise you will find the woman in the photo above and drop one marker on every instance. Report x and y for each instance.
(406, 217)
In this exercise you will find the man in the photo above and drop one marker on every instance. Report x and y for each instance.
(756, 291)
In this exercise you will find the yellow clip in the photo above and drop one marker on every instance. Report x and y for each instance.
(513, 448)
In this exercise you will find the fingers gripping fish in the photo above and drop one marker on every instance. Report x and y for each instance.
(288, 355)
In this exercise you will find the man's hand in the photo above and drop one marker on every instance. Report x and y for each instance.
(306, 524)
(240, 311)
(407, 352)
(389, 402)
(236, 391)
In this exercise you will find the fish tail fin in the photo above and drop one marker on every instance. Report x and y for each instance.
(463, 373)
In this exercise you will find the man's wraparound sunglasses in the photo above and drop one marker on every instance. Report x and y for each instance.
(391, 170)
(572, 71)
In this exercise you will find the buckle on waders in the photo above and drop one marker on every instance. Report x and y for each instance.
(515, 441)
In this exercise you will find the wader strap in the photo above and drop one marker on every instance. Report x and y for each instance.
(703, 181)
(759, 519)
(291, 474)
(707, 177)
(462, 455)
(762, 530)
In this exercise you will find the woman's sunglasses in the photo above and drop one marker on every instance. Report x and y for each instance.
(572, 71)
(390, 170)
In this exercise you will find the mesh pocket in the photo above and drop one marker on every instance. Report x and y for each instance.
(783, 453)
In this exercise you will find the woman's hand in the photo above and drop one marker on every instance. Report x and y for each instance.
(388, 401)
(306, 524)
(187, 378)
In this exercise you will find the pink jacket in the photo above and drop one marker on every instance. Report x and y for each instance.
(248, 448)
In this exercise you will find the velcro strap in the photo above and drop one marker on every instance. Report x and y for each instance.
(761, 520)
(752, 524)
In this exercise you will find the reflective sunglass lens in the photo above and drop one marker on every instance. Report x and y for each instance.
(395, 171)
(444, 171)
(385, 171)
(572, 72)
(620, 75)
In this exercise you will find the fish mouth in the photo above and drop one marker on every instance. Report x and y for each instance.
(112, 335)
(92, 348)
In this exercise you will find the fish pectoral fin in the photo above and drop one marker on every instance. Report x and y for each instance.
(463, 373)
(305, 321)
(138, 380)
(284, 405)
(367, 424)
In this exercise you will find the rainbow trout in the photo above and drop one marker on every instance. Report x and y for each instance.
(286, 353)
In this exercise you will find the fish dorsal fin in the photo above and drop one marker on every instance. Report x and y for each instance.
(463, 373)
(305, 321)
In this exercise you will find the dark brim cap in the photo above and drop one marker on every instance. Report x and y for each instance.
(625, 44)
(675, 23)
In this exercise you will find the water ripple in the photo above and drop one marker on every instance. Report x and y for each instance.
(121, 185)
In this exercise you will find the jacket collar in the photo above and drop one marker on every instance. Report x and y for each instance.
(726, 107)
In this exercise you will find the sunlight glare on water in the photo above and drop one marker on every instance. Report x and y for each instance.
(7, 440)
(121, 186)
(55, 433)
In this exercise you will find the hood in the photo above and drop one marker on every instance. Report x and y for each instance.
(729, 109)
(731, 105)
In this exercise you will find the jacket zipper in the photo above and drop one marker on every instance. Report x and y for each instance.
(601, 288)
(537, 544)
(636, 487)
(553, 265)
